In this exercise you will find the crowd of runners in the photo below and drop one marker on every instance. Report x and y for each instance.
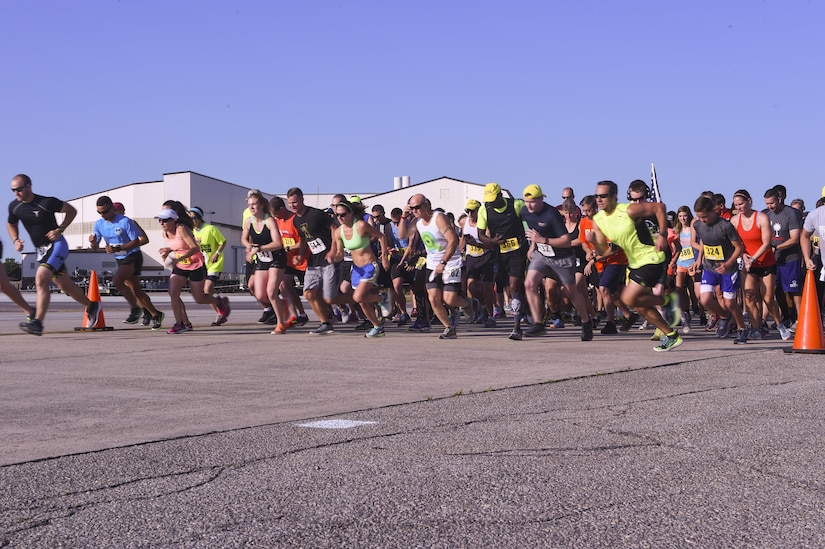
(600, 264)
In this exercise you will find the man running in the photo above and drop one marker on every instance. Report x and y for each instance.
(36, 212)
(621, 223)
(443, 260)
(499, 223)
(123, 239)
(550, 254)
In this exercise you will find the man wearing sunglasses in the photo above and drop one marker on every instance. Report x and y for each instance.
(36, 212)
(623, 225)
(123, 238)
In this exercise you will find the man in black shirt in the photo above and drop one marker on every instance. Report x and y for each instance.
(36, 212)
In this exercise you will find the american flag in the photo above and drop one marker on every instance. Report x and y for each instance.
(655, 195)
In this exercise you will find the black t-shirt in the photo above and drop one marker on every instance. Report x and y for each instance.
(316, 230)
(37, 217)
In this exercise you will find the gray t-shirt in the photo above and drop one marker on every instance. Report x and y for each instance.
(716, 242)
(782, 223)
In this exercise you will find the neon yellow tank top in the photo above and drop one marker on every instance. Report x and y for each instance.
(621, 230)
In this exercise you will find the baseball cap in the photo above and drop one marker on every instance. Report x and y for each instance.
(197, 211)
(167, 214)
(472, 204)
(355, 199)
(491, 192)
(532, 192)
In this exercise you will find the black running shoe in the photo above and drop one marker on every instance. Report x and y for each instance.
(134, 316)
(267, 315)
(34, 327)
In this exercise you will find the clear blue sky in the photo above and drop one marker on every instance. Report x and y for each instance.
(342, 96)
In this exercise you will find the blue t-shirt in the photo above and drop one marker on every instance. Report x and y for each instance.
(119, 231)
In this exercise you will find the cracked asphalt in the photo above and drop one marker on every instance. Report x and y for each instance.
(137, 439)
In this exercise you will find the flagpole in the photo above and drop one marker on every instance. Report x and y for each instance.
(654, 185)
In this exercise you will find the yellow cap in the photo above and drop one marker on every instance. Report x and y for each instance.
(532, 192)
(472, 204)
(355, 199)
(491, 192)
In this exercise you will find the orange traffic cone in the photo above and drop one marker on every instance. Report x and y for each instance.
(809, 337)
(94, 295)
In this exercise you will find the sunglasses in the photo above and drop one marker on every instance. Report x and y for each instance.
(601, 195)
(106, 211)
(165, 220)
(18, 189)
(342, 215)
(415, 208)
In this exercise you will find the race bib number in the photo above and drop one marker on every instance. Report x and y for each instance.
(686, 253)
(714, 253)
(184, 261)
(265, 257)
(316, 246)
(474, 251)
(546, 250)
(288, 242)
(509, 245)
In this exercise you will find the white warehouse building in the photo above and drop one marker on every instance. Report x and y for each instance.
(223, 204)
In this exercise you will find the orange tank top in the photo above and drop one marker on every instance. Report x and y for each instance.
(752, 239)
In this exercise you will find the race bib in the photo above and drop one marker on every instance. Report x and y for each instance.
(686, 253)
(474, 251)
(184, 261)
(546, 250)
(509, 245)
(265, 257)
(714, 253)
(316, 246)
(288, 242)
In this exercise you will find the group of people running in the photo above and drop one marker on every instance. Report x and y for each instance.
(596, 260)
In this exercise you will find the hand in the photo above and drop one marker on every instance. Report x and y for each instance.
(18, 245)
(661, 242)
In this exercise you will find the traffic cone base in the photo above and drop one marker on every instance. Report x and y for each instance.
(809, 338)
(94, 295)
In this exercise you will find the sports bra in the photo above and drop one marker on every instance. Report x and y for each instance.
(357, 241)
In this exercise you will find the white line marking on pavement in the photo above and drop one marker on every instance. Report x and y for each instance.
(336, 424)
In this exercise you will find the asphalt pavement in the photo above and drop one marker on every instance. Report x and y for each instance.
(229, 436)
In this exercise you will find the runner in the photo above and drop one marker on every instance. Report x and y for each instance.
(264, 246)
(500, 224)
(550, 252)
(212, 243)
(295, 267)
(721, 247)
(759, 265)
(187, 264)
(123, 238)
(646, 258)
(356, 236)
(786, 226)
(479, 267)
(443, 260)
(36, 212)
(321, 281)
